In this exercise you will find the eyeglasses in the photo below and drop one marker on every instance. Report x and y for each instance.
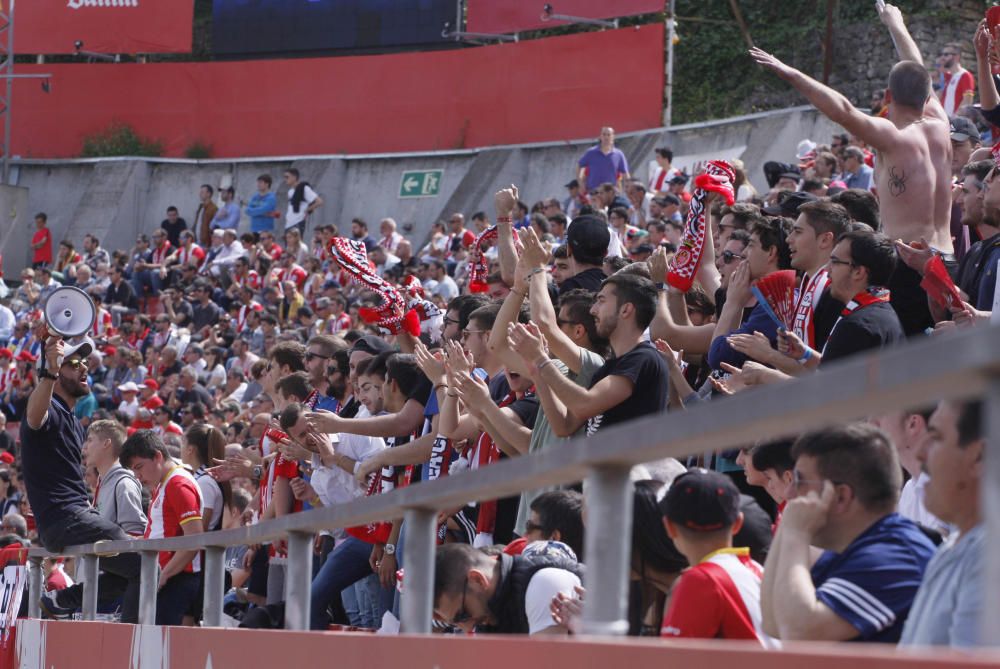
(728, 257)
(449, 321)
(798, 482)
(561, 323)
(462, 615)
(310, 356)
(834, 260)
(466, 333)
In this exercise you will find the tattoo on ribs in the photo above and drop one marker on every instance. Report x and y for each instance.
(897, 181)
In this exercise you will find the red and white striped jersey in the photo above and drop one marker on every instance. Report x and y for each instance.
(295, 273)
(102, 328)
(249, 280)
(176, 502)
(191, 255)
(160, 253)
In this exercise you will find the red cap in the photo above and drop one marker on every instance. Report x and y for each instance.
(7, 457)
(27, 356)
(151, 383)
(110, 350)
(6, 353)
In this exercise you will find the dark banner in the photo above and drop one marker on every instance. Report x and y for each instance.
(247, 27)
(103, 26)
(511, 16)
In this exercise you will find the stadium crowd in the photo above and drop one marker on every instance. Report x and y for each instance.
(233, 378)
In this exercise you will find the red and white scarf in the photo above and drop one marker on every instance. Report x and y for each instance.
(717, 178)
(160, 253)
(810, 290)
(479, 269)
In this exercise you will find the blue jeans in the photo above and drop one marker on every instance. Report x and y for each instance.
(147, 277)
(346, 565)
(120, 573)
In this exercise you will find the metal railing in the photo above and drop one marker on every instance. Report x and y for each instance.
(966, 364)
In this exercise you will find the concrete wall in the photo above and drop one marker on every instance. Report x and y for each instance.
(118, 198)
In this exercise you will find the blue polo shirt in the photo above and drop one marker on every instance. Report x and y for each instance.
(603, 168)
(873, 583)
(53, 468)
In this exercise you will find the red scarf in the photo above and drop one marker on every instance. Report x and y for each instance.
(486, 453)
(810, 291)
(478, 267)
(718, 178)
(873, 295)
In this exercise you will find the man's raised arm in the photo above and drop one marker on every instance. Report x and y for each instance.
(877, 132)
(907, 49)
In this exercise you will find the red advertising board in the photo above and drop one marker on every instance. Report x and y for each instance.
(511, 16)
(360, 104)
(103, 26)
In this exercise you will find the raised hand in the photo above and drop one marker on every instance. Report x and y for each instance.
(658, 264)
(739, 284)
(431, 364)
(761, 57)
(535, 253)
(982, 41)
(914, 254)
(790, 344)
(528, 342)
(504, 200)
(669, 356)
(302, 489)
(889, 15)
(324, 422)
(459, 362)
(472, 390)
(232, 467)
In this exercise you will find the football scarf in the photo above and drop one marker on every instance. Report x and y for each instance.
(810, 291)
(717, 178)
(478, 267)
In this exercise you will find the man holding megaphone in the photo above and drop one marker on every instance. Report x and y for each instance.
(51, 450)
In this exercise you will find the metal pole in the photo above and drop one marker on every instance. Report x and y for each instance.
(298, 580)
(668, 113)
(417, 600)
(90, 587)
(214, 582)
(608, 499)
(34, 587)
(10, 93)
(149, 577)
(989, 491)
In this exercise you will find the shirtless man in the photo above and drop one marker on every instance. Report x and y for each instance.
(913, 168)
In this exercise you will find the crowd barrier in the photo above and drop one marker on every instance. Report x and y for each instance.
(963, 365)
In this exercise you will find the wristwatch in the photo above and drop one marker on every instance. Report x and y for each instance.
(258, 472)
(390, 549)
(46, 374)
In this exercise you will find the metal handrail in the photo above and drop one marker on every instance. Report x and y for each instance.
(962, 365)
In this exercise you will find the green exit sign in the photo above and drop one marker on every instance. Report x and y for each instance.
(420, 183)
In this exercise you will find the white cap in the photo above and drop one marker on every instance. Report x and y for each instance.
(129, 387)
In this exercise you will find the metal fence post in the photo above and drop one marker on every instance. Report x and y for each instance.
(214, 583)
(149, 576)
(34, 587)
(417, 600)
(989, 491)
(608, 546)
(90, 587)
(298, 580)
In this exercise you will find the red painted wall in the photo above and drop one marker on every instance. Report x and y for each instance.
(508, 16)
(130, 26)
(538, 90)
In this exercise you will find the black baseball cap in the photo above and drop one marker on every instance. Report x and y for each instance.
(963, 129)
(572, 184)
(370, 344)
(588, 238)
(702, 500)
(789, 203)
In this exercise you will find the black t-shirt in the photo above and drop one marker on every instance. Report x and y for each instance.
(185, 311)
(970, 270)
(207, 314)
(53, 467)
(870, 327)
(825, 316)
(644, 367)
(174, 230)
(197, 393)
(589, 279)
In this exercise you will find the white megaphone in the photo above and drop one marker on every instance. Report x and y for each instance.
(69, 312)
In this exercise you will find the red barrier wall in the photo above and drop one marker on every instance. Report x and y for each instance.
(549, 89)
(77, 645)
(104, 26)
(509, 16)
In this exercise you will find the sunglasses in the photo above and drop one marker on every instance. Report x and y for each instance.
(728, 257)
(462, 615)
(76, 363)
(311, 356)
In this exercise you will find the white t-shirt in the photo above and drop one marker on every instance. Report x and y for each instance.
(211, 497)
(308, 197)
(543, 586)
(911, 504)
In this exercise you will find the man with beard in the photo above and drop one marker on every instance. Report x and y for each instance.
(981, 209)
(51, 450)
(632, 383)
